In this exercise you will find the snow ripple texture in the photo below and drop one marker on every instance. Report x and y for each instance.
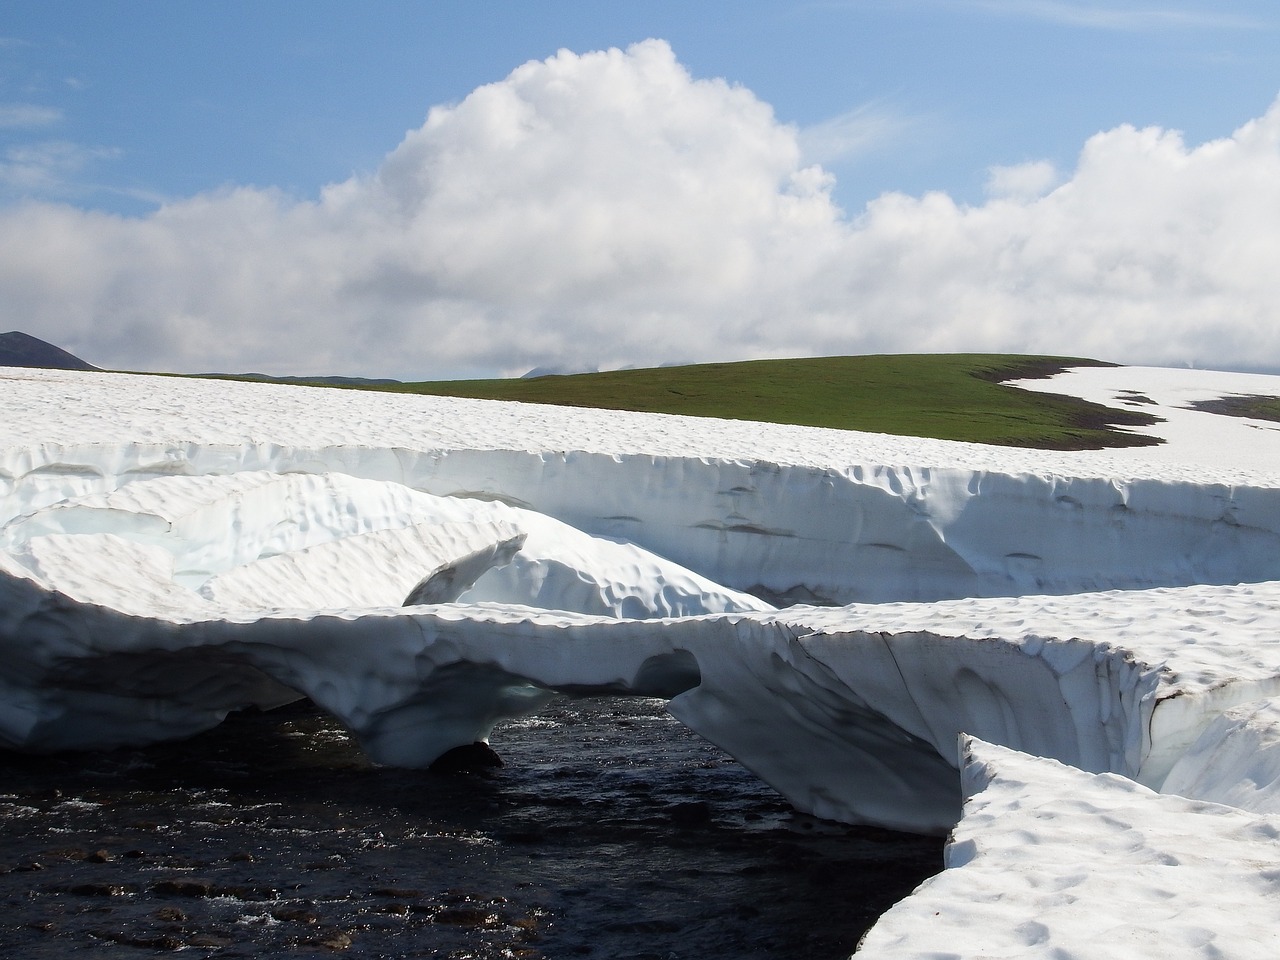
(172, 550)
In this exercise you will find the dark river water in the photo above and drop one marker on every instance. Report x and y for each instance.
(611, 832)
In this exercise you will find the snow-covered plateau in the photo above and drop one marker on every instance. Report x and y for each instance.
(1096, 630)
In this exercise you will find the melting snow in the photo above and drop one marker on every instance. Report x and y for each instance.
(171, 550)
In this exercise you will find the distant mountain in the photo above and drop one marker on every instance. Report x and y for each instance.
(23, 350)
(557, 370)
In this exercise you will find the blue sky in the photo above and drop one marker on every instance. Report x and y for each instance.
(146, 117)
(169, 99)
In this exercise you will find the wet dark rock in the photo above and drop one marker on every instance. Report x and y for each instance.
(99, 889)
(337, 940)
(475, 757)
(465, 916)
(528, 926)
(303, 915)
(209, 941)
(199, 888)
(183, 888)
(66, 853)
(396, 893)
(151, 941)
(239, 892)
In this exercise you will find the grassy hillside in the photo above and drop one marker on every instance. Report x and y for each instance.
(948, 396)
(1241, 405)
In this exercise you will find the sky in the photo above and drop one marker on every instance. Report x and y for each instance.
(438, 190)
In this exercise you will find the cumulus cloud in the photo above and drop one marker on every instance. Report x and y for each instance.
(1151, 252)
(608, 209)
(1023, 181)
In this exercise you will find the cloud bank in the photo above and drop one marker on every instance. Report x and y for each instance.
(608, 209)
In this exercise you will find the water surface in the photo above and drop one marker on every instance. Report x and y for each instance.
(611, 832)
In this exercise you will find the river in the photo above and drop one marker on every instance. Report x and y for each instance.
(610, 831)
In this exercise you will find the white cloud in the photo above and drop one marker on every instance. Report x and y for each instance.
(22, 116)
(609, 209)
(1150, 252)
(1023, 181)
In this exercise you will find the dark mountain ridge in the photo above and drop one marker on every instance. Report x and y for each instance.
(19, 349)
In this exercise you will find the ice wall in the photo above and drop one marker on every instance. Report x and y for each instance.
(170, 557)
(1235, 761)
(851, 725)
(217, 592)
(862, 532)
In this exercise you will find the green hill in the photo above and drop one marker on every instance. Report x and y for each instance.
(948, 396)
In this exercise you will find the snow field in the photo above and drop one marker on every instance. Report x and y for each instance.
(171, 550)
(1051, 862)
